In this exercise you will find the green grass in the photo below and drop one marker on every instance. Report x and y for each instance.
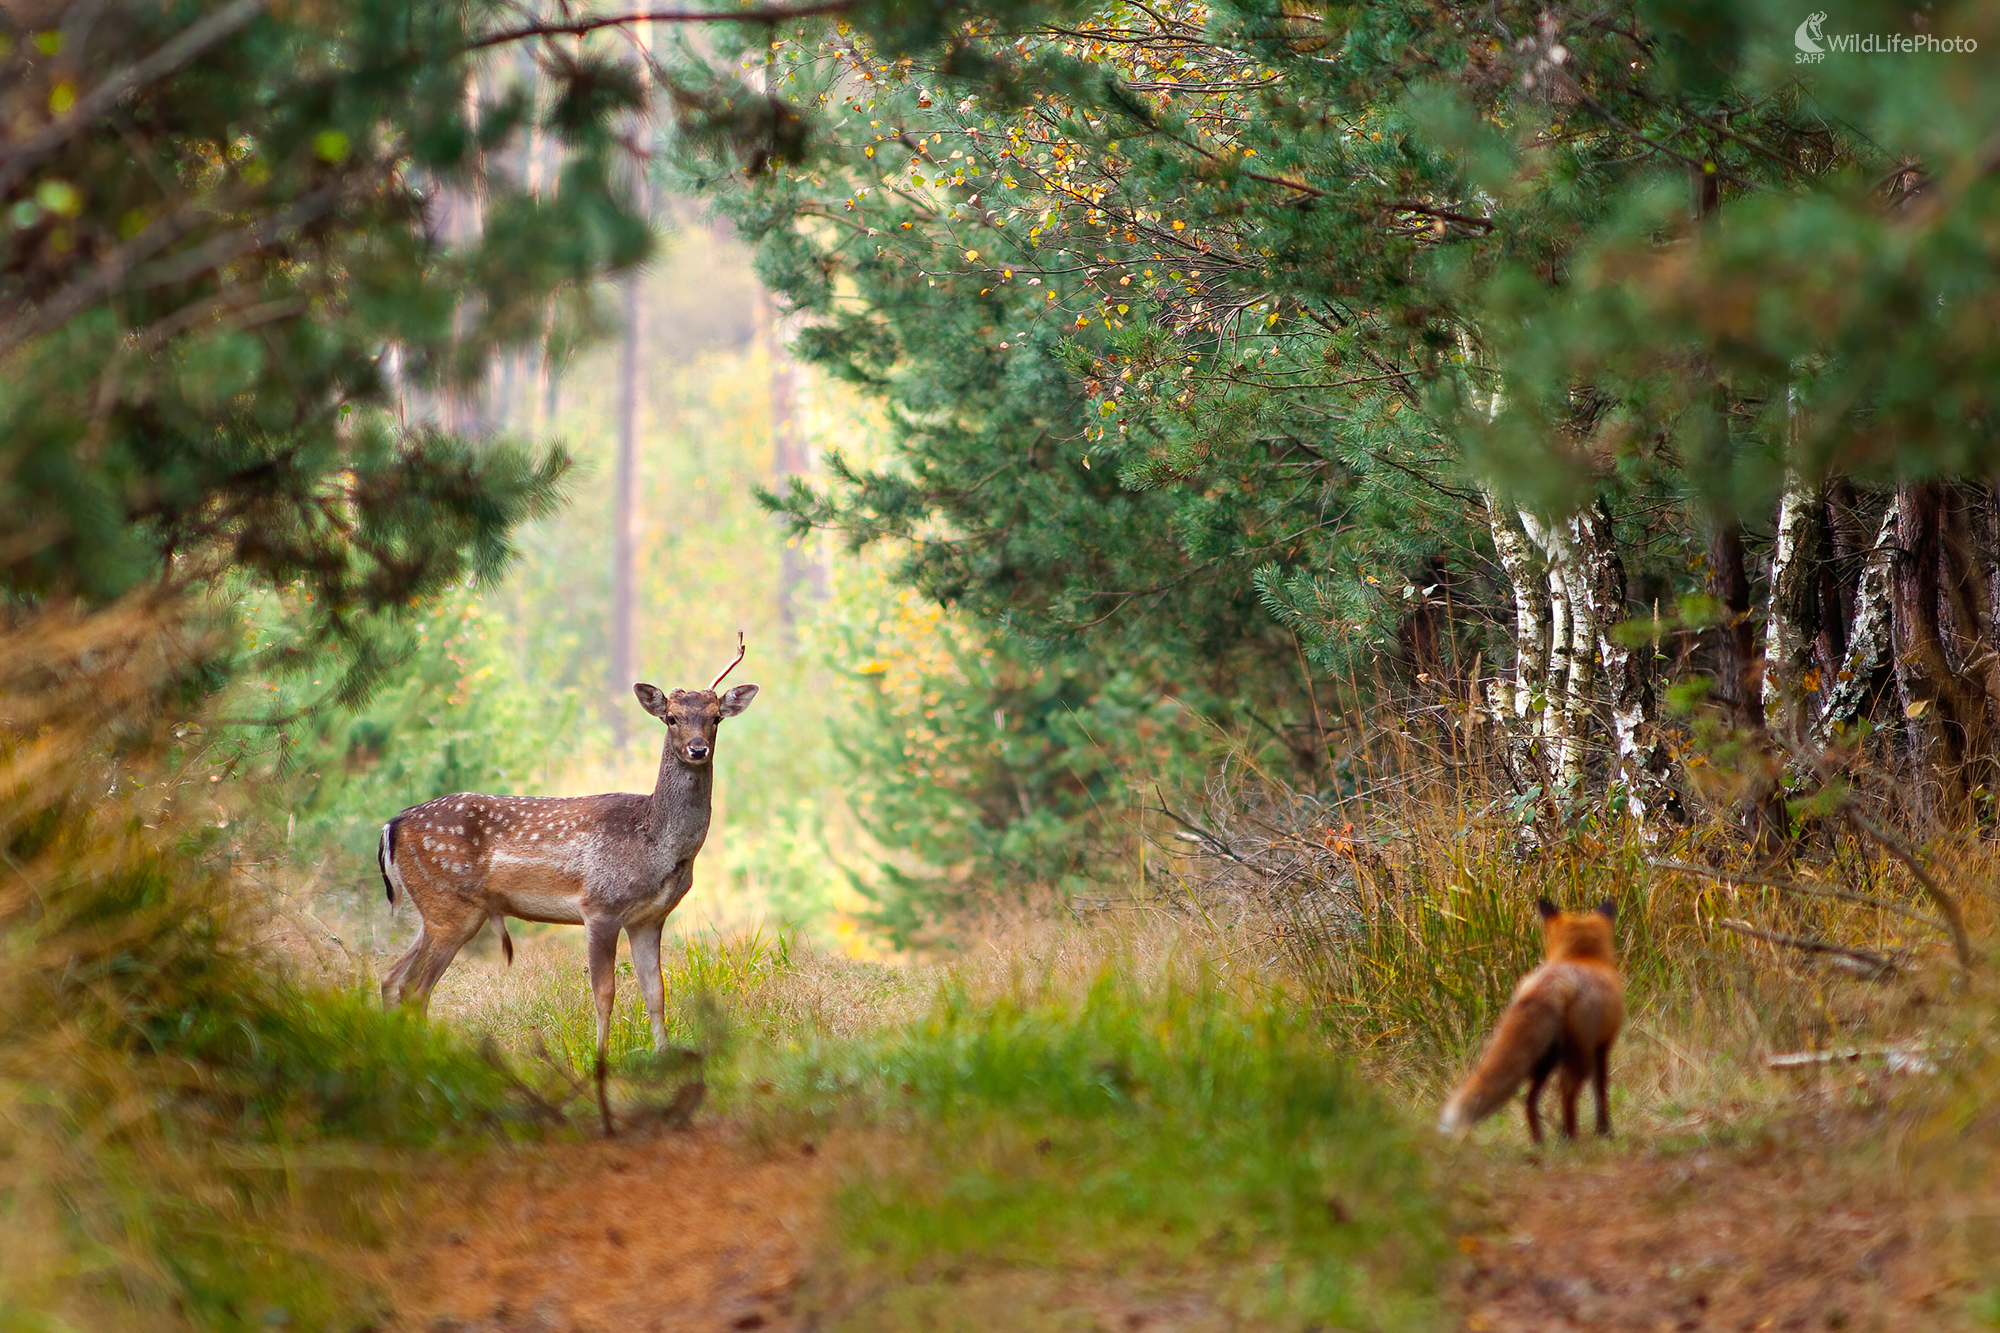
(1147, 1145)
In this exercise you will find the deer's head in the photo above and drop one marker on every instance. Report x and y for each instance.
(693, 715)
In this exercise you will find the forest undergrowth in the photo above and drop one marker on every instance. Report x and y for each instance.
(1208, 1104)
(1208, 1100)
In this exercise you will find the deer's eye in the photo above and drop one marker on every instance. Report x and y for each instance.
(671, 720)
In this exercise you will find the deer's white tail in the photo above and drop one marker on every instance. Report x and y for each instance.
(385, 857)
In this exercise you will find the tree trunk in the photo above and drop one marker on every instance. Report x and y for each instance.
(1579, 685)
(797, 574)
(1951, 738)
(1558, 723)
(1645, 767)
(1761, 805)
(625, 493)
(1867, 639)
(1513, 698)
(1791, 628)
(625, 519)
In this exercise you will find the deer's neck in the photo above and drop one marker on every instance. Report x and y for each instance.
(678, 816)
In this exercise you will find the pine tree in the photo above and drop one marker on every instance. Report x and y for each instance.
(1396, 306)
(256, 261)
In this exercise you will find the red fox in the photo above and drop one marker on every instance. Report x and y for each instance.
(1564, 1014)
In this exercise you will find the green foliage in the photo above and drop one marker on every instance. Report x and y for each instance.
(183, 1121)
(225, 281)
(461, 714)
(988, 776)
(1174, 1137)
(1213, 333)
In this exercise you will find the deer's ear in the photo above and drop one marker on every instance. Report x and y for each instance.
(652, 700)
(736, 700)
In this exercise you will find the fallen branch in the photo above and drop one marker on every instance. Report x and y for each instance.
(1902, 1059)
(1205, 836)
(1903, 852)
(1790, 886)
(1878, 965)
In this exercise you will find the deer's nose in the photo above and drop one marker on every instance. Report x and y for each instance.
(697, 750)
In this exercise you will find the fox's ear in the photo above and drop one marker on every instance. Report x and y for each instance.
(1548, 909)
(1608, 910)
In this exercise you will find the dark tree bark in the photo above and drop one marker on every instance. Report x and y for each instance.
(625, 520)
(1761, 805)
(1839, 574)
(797, 575)
(1945, 710)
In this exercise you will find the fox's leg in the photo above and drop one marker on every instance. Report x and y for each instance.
(1537, 1076)
(1603, 1080)
(1569, 1084)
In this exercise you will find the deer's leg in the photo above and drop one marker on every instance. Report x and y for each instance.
(646, 962)
(436, 957)
(393, 979)
(603, 945)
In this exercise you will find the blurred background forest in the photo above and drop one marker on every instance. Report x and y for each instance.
(511, 687)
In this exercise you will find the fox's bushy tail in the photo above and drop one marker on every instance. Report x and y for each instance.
(1528, 1031)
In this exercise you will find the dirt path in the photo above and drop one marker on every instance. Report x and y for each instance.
(652, 1233)
(701, 1231)
(1755, 1238)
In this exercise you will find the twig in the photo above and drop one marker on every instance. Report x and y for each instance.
(1208, 837)
(1903, 852)
(756, 14)
(1910, 1058)
(1789, 886)
(178, 50)
(1878, 965)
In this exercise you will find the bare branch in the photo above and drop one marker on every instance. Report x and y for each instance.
(189, 43)
(1903, 852)
(1788, 886)
(1876, 965)
(755, 14)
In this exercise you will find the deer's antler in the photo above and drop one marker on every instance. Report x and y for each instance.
(732, 662)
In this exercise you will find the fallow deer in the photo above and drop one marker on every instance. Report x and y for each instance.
(620, 861)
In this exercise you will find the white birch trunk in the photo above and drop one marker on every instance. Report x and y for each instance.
(1644, 767)
(1579, 684)
(1867, 636)
(1787, 645)
(1558, 724)
(1514, 697)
